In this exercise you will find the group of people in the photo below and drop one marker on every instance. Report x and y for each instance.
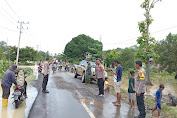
(136, 89)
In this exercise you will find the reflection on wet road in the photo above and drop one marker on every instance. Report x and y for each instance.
(25, 106)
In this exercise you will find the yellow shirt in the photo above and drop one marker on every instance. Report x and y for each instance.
(105, 84)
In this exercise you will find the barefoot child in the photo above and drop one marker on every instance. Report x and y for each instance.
(131, 89)
(107, 85)
(158, 98)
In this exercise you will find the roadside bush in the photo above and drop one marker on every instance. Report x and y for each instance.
(4, 65)
(27, 71)
(27, 63)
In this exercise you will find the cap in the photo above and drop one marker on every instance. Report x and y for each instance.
(14, 66)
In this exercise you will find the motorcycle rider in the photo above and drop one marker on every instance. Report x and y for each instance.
(60, 64)
(6, 84)
(67, 66)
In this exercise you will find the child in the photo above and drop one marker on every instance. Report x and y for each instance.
(107, 85)
(131, 89)
(172, 100)
(158, 98)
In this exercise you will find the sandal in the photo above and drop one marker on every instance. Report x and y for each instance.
(116, 104)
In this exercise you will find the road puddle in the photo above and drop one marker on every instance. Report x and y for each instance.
(24, 108)
(92, 102)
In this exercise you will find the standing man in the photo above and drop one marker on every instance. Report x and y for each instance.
(100, 76)
(88, 73)
(140, 82)
(6, 84)
(46, 75)
(117, 81)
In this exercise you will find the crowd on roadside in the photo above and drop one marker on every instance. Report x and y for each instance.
(136, 87)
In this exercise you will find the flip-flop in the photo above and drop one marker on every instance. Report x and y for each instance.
(117, 104)
(114, 102)
(101, 95)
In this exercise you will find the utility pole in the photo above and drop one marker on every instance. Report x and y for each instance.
(37, 46)
(100, 38)
(20, 28)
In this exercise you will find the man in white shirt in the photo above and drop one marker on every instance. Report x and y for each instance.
(46, 75)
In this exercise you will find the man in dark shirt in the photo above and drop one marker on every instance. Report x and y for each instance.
(8, 79)
(117, 81)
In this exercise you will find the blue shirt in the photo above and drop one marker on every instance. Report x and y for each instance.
(119, 70)
(9, 78)
(159, 96)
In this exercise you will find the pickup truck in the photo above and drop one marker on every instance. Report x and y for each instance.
(80, 70)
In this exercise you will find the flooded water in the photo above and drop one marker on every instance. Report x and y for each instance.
(24, 108)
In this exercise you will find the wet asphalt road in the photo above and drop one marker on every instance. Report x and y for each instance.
(70, 98)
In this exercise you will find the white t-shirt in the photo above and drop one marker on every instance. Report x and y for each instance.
(115, 78)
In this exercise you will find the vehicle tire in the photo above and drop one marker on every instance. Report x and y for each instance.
(75, 74)
(16, 104)
(83, 78)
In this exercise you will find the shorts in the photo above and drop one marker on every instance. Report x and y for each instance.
(117, 86)
(131, 96)
(5, 92)
(158, 106)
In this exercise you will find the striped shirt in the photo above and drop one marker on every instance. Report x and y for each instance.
(100, 71)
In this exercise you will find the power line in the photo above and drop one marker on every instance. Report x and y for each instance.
(7, 28)
(8, 14)
(164, 29)
(8, 19)
(151, 33)
(12, 10)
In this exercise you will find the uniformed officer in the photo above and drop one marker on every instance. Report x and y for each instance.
(140, 82)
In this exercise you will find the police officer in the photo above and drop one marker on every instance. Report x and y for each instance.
(140, 82)
(6, 84)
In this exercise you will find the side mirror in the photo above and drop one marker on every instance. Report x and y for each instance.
(82, 65)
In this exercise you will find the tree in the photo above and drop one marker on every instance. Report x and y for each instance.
(127, 59)
(3, 50)
(81, 45)
(13, 53)
(145, 41)
(27, 54)
(111, 56)
(167, 53)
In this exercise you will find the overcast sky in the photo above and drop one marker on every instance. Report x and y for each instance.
(53, 23)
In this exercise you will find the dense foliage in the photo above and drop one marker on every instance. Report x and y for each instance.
(82, 45)
(27, 71)
(167, 50)
(27, 55)
(4, 65)
(126, 58)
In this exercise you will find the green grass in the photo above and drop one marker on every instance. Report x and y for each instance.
(170, 112)
(167, 111)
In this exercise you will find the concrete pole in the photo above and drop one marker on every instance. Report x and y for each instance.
(19, 43)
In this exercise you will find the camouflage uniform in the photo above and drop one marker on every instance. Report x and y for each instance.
(88, 74)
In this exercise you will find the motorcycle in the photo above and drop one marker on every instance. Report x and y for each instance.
(54, 68)
(67, 68)
(40, 69)
(19, 93)
(59, 67)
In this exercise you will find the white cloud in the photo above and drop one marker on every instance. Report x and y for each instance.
(53, 23)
